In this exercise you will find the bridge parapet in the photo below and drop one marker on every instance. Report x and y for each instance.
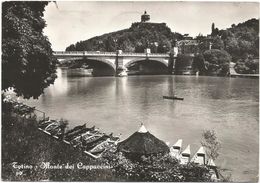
(97, 53)
(83, 53)
(68, 53)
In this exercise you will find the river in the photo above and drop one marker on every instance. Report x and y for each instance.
(227, 105)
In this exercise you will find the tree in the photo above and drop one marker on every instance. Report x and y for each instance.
(198, 63)
(247, 66)
(211, 143)
(217, 43)
(214, 31)
(183, 62)
(217, 61)
(28, 65)
(156, 168)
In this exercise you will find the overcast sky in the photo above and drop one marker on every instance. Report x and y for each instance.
(69, 22)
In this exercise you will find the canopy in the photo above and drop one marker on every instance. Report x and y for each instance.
(178, 144)
(186, 151)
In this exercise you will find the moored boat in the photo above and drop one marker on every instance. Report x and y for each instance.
(76, 129)
(123, 73)
(44, 124)
(94, 142)
(100, 147)
(74, 134)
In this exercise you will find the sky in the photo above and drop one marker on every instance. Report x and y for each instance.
(69, 22)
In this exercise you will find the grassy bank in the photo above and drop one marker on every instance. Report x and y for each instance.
(23, 143)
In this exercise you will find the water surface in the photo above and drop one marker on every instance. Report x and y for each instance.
(227, 105)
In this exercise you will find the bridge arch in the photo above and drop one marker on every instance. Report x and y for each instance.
(103, 60)
(144, 59)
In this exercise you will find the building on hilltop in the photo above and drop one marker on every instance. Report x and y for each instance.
(145, 17)
(145, 23)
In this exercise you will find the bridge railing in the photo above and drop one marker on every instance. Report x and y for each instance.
(132, 54)
(86, 53)
(159, 54)
(99, 53)
(68, 53)
(83, 53)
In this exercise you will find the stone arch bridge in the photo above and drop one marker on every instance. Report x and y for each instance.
(118, 61)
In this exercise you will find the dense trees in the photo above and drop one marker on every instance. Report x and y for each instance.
(210, 62)
(28, 65)
(182, 62)
(217, 61)
(211, 143)
(139, 36)
(241, 42)
(157, 168)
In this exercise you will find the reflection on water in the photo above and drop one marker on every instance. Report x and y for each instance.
(227, 105)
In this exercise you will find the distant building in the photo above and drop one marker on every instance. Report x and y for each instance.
(188, 46)
(145, 17)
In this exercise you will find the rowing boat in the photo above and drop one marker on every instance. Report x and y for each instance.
(74, 134)
(94, 142)
(173, 98)
(76, 129)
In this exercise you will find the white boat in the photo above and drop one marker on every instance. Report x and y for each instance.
(176, 149)
(123, 73)
(199, 157)
(52, 126)
(185, 156)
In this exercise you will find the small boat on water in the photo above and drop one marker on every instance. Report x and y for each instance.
(185, 156)
(176, 149)
(199, 157)
(173, 98)
(123, 73)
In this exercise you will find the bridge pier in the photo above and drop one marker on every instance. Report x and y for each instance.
(119, 64)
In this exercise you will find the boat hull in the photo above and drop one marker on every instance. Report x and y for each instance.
(173, 98)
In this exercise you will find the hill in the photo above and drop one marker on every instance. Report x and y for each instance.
(158, 36)
(241, 41)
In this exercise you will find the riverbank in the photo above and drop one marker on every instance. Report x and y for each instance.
(28, 155)
(40, 156)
